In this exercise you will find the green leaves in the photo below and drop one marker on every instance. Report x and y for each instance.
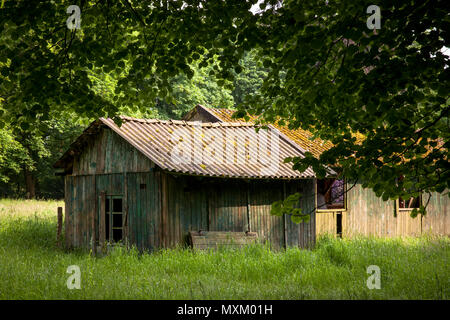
(314, 65)
(289, 206)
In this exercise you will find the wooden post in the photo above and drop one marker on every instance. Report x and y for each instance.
(94, 221)
(93, 215)
(164, 204)
(285, 228)
(125, 209)
(67, 222)
(58, 231)
(102, 227)
(249, 221)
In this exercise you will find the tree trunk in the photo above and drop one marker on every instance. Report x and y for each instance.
(30, 183)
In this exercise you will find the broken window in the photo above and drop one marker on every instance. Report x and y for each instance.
(411, 203)
(330, 194)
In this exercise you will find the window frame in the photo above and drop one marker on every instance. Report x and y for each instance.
(330, 210)
(109, 234)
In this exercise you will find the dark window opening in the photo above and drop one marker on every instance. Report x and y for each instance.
(117, 220)
(117, 205)
(339, 224)
(411, 203)
(330, 194)
(117, 235)
(107, 226)
(142, 186)
(113, 218)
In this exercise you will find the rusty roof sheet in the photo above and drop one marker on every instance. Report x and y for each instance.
(302, 138)
(221, 149)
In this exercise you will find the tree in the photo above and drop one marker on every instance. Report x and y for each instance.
(44, 65)
(380, 96)
(249, 80)
(13, 158)
(27, 156)
(200, 89)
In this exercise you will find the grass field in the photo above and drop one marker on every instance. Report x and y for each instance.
(32, 267)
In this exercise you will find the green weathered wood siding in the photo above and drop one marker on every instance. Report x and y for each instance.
(184, 207)
(109, 153)
(303, 234)
(144, 218)
(80, 207)
(232, 205)
(227, 203)
(163, 208)
(261, 196)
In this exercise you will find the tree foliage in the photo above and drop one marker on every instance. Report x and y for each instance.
(382, 98)
(49, 113)
(289, 207)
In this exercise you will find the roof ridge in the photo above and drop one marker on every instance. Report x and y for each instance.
(187, 123)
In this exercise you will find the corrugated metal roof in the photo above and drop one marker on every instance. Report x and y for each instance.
(301, 137)
(221, 149)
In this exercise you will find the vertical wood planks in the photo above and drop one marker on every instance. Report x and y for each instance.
(102, 226)
(302, 234)
(93, 217)
(269, 228)
(370, 215)
(164, 210)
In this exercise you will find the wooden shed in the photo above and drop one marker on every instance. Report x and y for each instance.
(355, 211)
(152, 182)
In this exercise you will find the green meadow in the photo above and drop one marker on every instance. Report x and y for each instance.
(33, 267)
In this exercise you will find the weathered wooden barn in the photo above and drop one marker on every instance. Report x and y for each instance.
(151, 182)
(357, 211)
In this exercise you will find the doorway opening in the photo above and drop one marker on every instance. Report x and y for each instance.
(339, 224)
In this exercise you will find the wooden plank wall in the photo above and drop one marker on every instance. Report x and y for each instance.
(437, 220)
(163, 212)
(144, 218)
(231, 205)
(303, 234)
(326, 223)
(80, 209)
(107, 152)
(269, 228)
(228, 206)
(370, 215)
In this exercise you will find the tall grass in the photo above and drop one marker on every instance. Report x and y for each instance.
(32, 267)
